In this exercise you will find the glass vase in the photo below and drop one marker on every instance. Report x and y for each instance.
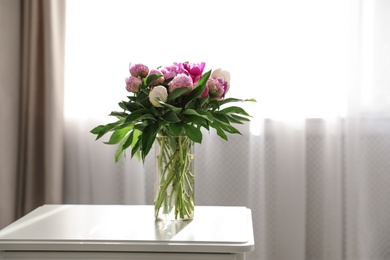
(174, 178)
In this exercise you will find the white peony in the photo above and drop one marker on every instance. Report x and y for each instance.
(158, 91)
(221, 73)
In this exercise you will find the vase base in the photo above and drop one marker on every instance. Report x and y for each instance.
(167, 217)
(173, 220)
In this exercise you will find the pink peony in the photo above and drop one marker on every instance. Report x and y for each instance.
(205, 92)
(173, 70)
(133, 84)
(158, 81)
(217, 87)
(194, 70)
(138, 70)
(181, 81)
(224, 75)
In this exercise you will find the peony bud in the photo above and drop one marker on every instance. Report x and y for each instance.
(205, 92)
(216, 87)
(195, 70)
(158, 81)
(225, 76)
(138, 70)
(158, 91)
(181, 81)
(133, 84)
(173, 70)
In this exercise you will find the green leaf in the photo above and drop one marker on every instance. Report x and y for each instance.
(221, 117)
(235, 110)
(132, 98)
(250, 100)
(97, 129)
(118, 135)
(209, 116)
(220, 132)
(231, 129)
(213, 104)
(119, 115)
(238, 118)
(140, 127)
(193, 133)
(202, 102)
(146, 117)
(124, 144)
(171, 117)
(195, 121)
(203, 79)
(132, 106)
(107, 128)
(137, 134)
(122, 105)
(193, 112)
(226, 127)
(177, 110)
(233, 119)
(207, 126)
(198, 90)
(147, 138)
(230, 100)
(143, 97)
(136, 144)
(176, 93)
(129, 140)
(175, 129)
(123, 125)
(150, 78)
(136, 150)
(119, 151)
(139, 115)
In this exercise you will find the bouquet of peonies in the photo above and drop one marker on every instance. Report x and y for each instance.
(168, 107)
(175, 100)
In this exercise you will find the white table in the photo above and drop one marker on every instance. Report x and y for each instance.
(127, 232)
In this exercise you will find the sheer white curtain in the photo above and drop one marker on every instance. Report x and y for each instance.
(313, 165)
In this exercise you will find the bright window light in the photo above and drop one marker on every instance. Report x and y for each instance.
(291, 56)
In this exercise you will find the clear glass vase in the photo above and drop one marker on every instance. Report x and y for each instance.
(174, 178)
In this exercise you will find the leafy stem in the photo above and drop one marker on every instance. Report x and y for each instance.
(174, 192)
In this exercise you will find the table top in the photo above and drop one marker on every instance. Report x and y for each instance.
(129, 228)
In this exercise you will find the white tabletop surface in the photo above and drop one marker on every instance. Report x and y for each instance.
(125, 227)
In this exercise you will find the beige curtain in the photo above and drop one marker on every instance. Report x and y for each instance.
(31, 105)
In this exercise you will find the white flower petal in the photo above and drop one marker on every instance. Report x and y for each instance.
(221, 73)
(158, 91)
